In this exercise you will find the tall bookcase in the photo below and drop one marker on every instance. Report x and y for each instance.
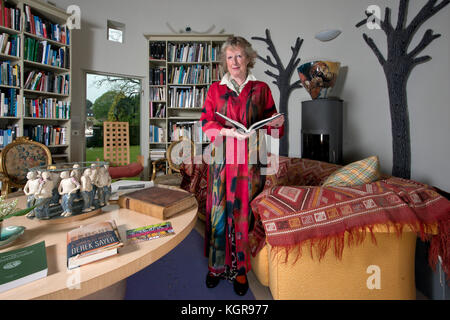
(35, 82)
(181, 69)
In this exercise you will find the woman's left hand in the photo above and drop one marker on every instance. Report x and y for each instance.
(276, 123)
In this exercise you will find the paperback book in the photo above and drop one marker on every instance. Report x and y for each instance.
(153, 231)
(22, 266)
(254, 126)
(92, 242)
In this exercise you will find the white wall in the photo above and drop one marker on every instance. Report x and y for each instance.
(367, 127)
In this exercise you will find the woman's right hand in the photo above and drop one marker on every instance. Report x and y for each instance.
(226, 132)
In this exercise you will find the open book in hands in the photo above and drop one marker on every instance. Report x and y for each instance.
(254, 126)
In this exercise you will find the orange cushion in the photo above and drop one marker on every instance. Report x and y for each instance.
(131, 170)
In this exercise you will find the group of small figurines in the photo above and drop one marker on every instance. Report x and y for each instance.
(68, 191)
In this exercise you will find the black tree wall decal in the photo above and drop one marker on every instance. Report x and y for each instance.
(397, 67)
(283, 81)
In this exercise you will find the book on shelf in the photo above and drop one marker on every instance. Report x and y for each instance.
(158, 201)
(254, 126)
(157, 76)
(44, 28)
(150, 232)
(10, 15)
(158, 50)
(22, 266)
(92, 242)
(192, 74)
(156, 154)
(157, 110)
(48, 135)
(188, 52)
(8, 135)
(157, 134)
(9, 102)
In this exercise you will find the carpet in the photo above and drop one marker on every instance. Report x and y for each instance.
(180, 275)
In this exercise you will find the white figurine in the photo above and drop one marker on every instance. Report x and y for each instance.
(102, 181)
(67, 188)
(87, 190)
(31, 187)
(44, 195)
(93, 176)
(77, 170)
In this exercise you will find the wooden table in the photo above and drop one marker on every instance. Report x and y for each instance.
(89, 279)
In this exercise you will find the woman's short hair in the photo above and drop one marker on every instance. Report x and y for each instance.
(237, 42)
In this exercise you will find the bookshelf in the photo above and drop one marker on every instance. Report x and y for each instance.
(181, 69)
(35, 75)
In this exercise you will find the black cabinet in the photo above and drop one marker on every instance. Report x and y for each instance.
(322, 130)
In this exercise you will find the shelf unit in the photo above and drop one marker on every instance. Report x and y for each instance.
(40, 61)
(181, 69)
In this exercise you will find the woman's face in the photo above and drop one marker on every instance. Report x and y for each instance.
(237, 62)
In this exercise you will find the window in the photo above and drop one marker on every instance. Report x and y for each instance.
(115, 31)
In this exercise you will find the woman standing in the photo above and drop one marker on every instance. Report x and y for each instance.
(233, 180)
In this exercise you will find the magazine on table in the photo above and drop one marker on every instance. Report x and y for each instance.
(254, 126)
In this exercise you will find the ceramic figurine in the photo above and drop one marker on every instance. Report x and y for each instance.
(107, 187)
(56, 179)
(77, 170)
(93, 176)
(44, 195)
(31, 187)
(87, 191)
(67, 189)
(102, 181)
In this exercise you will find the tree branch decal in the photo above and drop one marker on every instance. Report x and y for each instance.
(282, 80)
(397, 66)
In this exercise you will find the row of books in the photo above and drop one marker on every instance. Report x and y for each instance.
(44, 28)
(9, 74)
(157, 134)
(188, 52)
(47, 108)
(157, 76)
(157, 110)
(182, 97)
(217, 72)
(189, 129)
(8, 135)
(157, 94)
(46, 134)
(158, 50)
(10, 44)
(195, 74)
(10, 16)
(156, 154)
(9, 102)
(43, 52)
(47, 82)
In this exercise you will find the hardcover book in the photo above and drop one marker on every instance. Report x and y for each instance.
(92, 242)
(254, 126)
(21, 266)
(157, 201)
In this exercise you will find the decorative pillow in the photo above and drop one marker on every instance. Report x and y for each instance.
(356, 173)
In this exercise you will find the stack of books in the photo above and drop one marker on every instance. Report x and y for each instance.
(92, 242)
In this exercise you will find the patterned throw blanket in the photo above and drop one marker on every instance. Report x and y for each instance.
(292, 215)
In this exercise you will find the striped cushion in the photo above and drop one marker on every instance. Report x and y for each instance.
(356, 173)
